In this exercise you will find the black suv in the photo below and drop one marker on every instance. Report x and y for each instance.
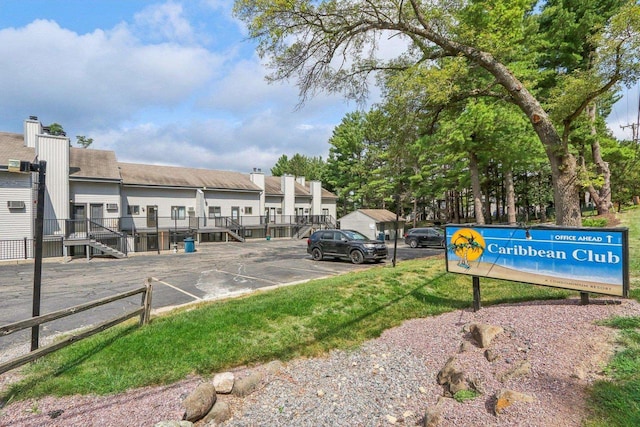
(428, 236)
(347, 244)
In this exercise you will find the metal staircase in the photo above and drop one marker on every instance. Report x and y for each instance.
(309, 224)
(95, 235)
(235, 235)
(302, 232)
(107, 250)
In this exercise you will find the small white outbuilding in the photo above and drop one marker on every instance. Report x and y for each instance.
(373, 223)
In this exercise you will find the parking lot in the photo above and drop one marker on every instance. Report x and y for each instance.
(214, 271)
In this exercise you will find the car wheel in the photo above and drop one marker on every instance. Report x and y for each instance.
(413, 243)
(356, 257)
(316, 254)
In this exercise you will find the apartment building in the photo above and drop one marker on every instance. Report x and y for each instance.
(97, 205)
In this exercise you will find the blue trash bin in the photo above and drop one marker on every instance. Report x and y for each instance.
(189, 245)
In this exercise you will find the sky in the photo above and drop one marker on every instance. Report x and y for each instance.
(167, 82)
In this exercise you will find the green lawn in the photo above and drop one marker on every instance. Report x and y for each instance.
(303, 320)
(616, 401)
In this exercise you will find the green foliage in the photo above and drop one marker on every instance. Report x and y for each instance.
(56, 129)
(464, 395)
(312, 168)
(83, 141)
(594, 222)
(567, 54)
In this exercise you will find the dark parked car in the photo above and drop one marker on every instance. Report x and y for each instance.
(346, 244)
(428, 236)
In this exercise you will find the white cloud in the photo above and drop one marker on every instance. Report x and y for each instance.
(163, 22)
(98, 78)
(151, 91)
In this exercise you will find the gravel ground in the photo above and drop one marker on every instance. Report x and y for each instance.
(392, 380)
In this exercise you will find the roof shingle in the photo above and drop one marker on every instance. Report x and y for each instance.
(154, 175)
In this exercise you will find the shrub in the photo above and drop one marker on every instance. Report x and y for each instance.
(594, 222)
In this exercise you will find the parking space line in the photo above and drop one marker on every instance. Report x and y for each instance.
(309, 270)
(247, 277)
(176, 288)
(349, 268)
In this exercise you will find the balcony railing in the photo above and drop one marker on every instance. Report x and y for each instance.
(85, 228)
(142, 223)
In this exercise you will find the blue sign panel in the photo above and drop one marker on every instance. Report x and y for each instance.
(583, 259)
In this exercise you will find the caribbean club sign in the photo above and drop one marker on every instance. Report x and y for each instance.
(583, 259)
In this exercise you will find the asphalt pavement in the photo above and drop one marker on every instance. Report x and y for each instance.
(214, 271)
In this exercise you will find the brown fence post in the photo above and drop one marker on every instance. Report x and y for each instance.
(146, 302)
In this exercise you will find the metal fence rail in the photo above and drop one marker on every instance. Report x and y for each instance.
(24, 248)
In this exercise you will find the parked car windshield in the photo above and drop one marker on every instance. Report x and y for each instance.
(354, 235)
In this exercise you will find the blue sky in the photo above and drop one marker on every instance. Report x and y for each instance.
(157, 82)
(163, 82)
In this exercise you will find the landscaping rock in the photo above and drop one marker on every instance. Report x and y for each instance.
(447, 371)
(218, 414)
(521, 369)
(245, 386)
(506, 398)
(173, 424)
(223, 382)
(483, 334)
(199, 402)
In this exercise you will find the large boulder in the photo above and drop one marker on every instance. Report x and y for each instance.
(199, 402)
(218, 414)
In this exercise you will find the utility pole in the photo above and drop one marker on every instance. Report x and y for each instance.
(635, 127)
(26, 167)
(41, 168)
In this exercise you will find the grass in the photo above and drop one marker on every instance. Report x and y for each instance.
(309, 320)
(303, 320)
(616, 400)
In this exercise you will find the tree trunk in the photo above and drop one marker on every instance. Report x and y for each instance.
(563, 164)
(511, 196)
(488, 217)
(456, 206)
(475, 188)
(602, 198)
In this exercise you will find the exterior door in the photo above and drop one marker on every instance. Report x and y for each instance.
(152, 216)
(79, 220)
(96, 217)
(235, 213)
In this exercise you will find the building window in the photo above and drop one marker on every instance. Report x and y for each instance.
(215, 212)
(279, 211)
(178, 212)
(133, 210)
(248, 233)
(248, 210)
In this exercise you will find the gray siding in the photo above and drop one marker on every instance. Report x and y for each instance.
(15, 223)
(359, 222)
(95, 193)
(55, 151)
